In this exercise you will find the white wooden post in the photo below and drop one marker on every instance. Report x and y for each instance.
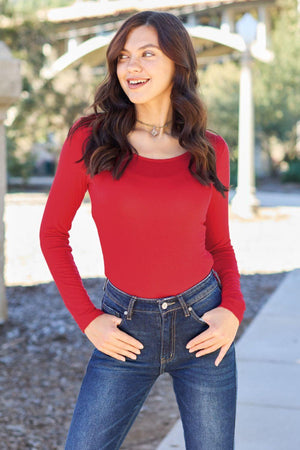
(10, 89)
(244, 203)
(227, 21)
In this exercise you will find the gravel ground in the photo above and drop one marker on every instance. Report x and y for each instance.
(43, 354)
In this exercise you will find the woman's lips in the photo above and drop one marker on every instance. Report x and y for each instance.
(136, 85)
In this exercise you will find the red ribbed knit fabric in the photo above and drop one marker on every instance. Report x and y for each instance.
(160, 230)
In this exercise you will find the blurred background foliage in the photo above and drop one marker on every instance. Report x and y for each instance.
(47, 109)
(276, 88)
(29, 7)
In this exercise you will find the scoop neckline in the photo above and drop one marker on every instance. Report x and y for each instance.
(172, 158)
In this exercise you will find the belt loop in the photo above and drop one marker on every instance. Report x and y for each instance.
(184, 305)
(105, 283)
(217, 278)
(130, 308)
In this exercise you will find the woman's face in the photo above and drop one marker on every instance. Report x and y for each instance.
(145, 73)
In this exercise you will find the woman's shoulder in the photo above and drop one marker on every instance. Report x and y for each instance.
(217, 141)
(81, 128)
(221, 148)
(75, 141)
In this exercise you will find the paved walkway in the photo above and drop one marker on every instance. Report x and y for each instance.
(268, 355)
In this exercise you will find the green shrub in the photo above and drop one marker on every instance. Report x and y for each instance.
(293, 172)
(233, 172)
(19, 165)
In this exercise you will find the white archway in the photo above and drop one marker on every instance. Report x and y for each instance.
(217, 41)
(91, 52)
(209, 42)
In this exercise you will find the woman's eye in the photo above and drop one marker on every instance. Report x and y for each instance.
(123, 57)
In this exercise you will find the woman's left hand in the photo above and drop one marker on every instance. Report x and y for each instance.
(223, 326)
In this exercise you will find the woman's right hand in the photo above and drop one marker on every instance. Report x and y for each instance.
(104, 334)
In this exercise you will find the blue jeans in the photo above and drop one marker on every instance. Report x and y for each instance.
(113, 391)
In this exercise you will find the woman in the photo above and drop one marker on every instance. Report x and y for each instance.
(158, 182)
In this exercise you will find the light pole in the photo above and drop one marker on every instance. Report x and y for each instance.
(244, 203)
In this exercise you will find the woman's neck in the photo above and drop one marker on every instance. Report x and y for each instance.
(154, 115)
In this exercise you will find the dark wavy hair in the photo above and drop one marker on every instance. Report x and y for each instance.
(108, 148)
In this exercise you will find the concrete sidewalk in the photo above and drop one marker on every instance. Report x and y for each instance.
(266, 198)
(268, 355)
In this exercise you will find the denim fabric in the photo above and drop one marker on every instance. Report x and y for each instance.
(113, 391)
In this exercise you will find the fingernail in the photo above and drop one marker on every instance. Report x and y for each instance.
(141, 346)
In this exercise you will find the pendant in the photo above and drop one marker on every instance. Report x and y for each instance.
(154, 132)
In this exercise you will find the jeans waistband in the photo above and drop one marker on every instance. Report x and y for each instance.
(194, 293)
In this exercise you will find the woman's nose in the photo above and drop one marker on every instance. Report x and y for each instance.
(134, 64)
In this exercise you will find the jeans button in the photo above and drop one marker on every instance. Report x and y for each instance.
(164, 305)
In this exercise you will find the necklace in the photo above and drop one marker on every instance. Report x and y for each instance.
(155, 129)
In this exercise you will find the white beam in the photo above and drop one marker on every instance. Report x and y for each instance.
(93, 45)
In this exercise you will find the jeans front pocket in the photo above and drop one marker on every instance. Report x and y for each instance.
(110, 306)
(195, 315)
(198, 308)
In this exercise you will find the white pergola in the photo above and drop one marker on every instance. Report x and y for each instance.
(218, 42)
(212, 42)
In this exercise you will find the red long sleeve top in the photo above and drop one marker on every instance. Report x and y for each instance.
(161, 231)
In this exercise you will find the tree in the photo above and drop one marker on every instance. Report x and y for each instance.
(52, 106)
(276, 89)
(219, 85)
(29, 7)
(46, 107)
(277, 85)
